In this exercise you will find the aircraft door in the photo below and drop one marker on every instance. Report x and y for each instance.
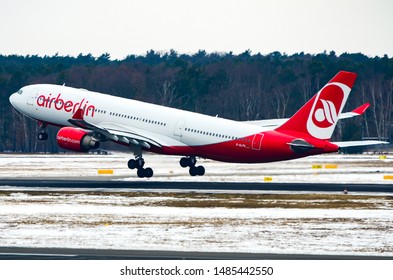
(32, 96)
(179, 128)
(257, 141)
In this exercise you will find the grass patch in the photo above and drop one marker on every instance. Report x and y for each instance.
(203, 200)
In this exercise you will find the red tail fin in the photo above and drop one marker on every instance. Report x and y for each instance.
(319, 116)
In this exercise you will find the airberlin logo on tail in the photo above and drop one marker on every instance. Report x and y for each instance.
(69, 106)
(326, 115)
(327, 106)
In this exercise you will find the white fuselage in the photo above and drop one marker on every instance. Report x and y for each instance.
(56, 105)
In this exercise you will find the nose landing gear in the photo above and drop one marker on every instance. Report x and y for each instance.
(42, 136)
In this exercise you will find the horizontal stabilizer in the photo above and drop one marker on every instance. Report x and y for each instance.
(359, 143)
(361, 109)
(354, 113)
(273, 123)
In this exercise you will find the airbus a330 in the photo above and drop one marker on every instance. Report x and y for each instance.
(87, 118)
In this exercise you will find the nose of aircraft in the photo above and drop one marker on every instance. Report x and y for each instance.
(16, 100)
(13, 98)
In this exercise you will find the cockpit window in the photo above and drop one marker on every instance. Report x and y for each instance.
(20, 92)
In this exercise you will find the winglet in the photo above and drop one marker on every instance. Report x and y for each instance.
(78, 115)
(360, 110)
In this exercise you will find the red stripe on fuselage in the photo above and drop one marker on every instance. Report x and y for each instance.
(274, 147)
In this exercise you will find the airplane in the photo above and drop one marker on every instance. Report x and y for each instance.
(87, 118)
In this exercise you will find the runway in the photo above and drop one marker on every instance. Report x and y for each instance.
(133, 220)
(19, 253)
(189, 186)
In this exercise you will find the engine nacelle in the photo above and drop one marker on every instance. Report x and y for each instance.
(76, 140)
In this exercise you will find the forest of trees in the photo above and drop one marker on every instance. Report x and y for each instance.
(240, 87)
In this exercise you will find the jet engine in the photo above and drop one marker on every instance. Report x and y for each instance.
(76, 140)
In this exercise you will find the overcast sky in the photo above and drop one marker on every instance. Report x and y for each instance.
(122, 27)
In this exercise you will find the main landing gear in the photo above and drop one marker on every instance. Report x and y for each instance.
(138, 164)
(190, 162)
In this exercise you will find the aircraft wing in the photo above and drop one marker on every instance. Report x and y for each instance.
(359, 143)
(272, 123)
(120, 133)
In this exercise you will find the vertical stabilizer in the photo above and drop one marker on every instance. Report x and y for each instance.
(319, 116)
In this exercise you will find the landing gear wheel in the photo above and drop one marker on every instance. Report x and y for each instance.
(141, 173)
(145, 172)
(136, 163)
(197, 170)
(200, 170)
(149, 172)
(42, 136)
(184, 162)
(132, 164)
(193, 171)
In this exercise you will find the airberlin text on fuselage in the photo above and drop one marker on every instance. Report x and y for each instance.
(66, 105)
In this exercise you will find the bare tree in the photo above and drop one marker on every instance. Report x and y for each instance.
(305, 87)
(381, 94)
(249, 104)
(167, 93)
(282, 94)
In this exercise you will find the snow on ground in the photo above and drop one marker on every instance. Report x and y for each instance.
(80, 219)
(346, 169)
(113, 221)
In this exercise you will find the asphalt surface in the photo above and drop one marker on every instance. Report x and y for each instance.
(19, 253)
(108, 184)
